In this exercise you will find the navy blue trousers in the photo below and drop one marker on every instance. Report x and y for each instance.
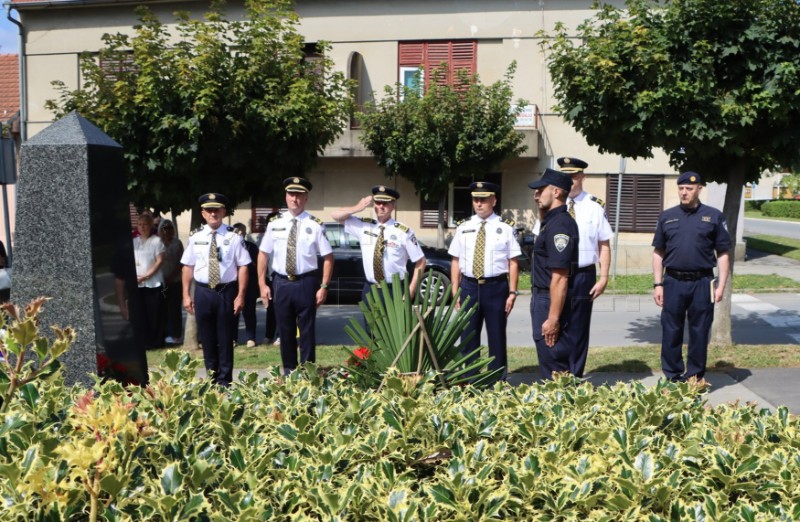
(491, 299)
(580, 321)
(214, 312)
(684, 299)
(556, 358)
(295, 307)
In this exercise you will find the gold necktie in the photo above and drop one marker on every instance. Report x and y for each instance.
(213, 262)
(291, 250)
(480, 247)
(571, 208)
(377, 257)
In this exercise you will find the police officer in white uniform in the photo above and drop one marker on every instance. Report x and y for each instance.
(485, 267)
(594, 247)
(216, 260)
(292, 242)
(386, 245)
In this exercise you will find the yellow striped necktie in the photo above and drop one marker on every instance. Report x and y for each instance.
(571, 208)
(377, 257)
(291, 250)
(213, 262)
(480, 247)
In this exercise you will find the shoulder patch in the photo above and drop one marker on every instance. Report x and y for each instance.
(599, 201)
(401, 227)
(509, 222)
(313, 218)
(369, 220)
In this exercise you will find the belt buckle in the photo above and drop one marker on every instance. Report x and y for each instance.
(291, 278)
(481, 281)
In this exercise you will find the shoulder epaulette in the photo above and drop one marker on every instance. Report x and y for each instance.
(599, 201)
(401, 227)
(229, 228)
(461, 222)
(273, 218)
(313, 218)
(196, 230)
(509, 222)
(368, 220)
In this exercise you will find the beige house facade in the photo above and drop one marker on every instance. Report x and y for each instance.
(371, 43)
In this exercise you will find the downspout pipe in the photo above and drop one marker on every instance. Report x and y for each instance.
(23, 130)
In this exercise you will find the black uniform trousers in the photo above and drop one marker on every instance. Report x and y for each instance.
(213, 309)
(248, 312)
(581, 319)
(554, 358)
(491, 298)
(153, 306)
(682, 299)
(296, 307)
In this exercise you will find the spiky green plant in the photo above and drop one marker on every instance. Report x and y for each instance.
(417, 337)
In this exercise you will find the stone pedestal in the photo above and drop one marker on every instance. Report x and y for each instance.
(73, 244)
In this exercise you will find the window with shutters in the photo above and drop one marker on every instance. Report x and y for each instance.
(421, 62)
(459, 203)
(117, 66)
(641, 201)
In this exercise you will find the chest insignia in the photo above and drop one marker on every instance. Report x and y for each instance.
(308, 230)
(468, 231)
(561, 241)
(394, 238)
(667, 222)
(226, 242)
(368, 233)
(499, 230)
(279, 229)
(706, 219)
(201, 242)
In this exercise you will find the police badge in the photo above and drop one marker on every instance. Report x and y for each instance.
(561, 241)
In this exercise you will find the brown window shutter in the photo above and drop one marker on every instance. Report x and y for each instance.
(450, 56)
(641, 202)
(429, 213)
(411, 54)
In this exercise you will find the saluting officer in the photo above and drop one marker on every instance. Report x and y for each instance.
(386, 245)
(595, 246)
(686, 238)
(555, 257)
(292, 242)
(486, 269)
(216, 259)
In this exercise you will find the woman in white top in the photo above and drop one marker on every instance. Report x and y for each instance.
(149, 254)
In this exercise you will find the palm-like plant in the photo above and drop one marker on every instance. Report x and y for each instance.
(418, 337)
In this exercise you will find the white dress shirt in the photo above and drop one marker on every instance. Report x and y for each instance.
(145, 253)
(501, 245)
(311, 242)
(400, 245)
(232, 253)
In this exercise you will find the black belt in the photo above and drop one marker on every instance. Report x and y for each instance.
(293, 278)
(583, 269)
(484, 280)
(220, 286)
(536, 290)
(682, 275)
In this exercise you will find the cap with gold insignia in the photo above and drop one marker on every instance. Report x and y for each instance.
(213, 200)
(483, 189)
(296, 184)
(571, 165)
(384, 193)
(690, 178)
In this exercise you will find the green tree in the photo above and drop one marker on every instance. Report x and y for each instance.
(449, 131)
(213, 105)
(792, 181)
(714, 84)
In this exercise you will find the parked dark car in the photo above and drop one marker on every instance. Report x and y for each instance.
(348, 269)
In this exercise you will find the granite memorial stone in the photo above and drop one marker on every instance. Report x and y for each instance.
(73, 244)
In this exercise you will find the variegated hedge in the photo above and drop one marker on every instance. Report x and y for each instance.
(319, 449)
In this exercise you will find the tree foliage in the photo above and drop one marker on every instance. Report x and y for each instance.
(714, 84)
(212, 104)
(449, 131)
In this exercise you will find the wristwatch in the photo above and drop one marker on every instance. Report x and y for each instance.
(657, 284)
(513, 292)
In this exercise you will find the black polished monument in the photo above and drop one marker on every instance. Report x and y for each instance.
(74, 245)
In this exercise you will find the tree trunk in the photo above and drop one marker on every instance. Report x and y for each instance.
(442, 224)
(190, 341)
(721, 328)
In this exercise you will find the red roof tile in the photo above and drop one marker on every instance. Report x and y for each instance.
(9, 86)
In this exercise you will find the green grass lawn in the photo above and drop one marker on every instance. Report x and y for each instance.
(645, 358)
(782, 246)
(757, 214)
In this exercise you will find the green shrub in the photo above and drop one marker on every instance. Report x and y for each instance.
(754, 204)
(311, 447)
(781, 208)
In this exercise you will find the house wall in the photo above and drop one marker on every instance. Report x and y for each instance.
(505, 29)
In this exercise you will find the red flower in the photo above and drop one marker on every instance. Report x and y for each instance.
(360, 354)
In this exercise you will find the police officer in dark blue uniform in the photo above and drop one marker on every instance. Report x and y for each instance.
(555, 258)
(486, 269)
(686, 240)
(216, 259)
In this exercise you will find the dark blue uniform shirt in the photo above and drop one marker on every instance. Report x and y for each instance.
(556, 246)
(689, 237)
